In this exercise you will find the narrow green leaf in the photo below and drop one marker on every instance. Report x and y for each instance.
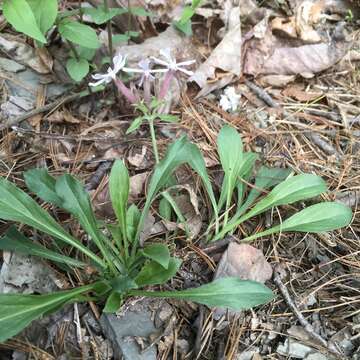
(78, 33)
(265, 179)
(77, 202)
(152, 273)
(230, 151)
(229, 292)
(178, 153)
(45, 12)
(168, 118)
(100, 15)
(184, 27)
(187, 14)
(122, 284)
(159, 253)
(18, 311)
(77, 69)
(140, 11)
(15, 205)
(15, 241)
(132, 220)
(19, 14)
(165, 209)
(119, 192)
(135, 124)
(325, 216)
(113, 302)
(42, 184)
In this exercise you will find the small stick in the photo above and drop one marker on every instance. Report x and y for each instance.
(278, 275)
(261, 94)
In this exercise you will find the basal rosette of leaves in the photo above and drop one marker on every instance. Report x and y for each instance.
(121, 267)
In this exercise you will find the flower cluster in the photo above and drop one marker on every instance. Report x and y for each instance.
(170, 67)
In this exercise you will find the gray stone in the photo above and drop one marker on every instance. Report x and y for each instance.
(316, 356)
(123, 330)
(10, 65)
(294, 349)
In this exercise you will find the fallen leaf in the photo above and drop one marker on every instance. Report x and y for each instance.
(244, 261)
(298, 92)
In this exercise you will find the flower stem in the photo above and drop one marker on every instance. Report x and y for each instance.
(153, 140)
(109, 31)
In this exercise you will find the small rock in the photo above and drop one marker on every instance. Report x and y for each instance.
(123, 330)
(316, 356)
(342, 340)
(294, 349)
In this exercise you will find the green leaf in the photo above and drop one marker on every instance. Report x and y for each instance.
(229, 292)
(18, 311)
(15, 241)
(184, 27)
(85, 53)
(118, 38)
(152, 273)
(15, 205)
(113, 302)
(187, 14)
(100, 15)
(78, 33)
(122, 284)
(159, 253)
(42, 184)
(132, 220)
(139, 11)
(19, 14)
(165, 209)
(77, 202)
(77, 69)
(135, 124)
(119, 192)
(325, 216)
(178, 153)
(45, 12)
(265, 179)
(230, 151)
(168, 118)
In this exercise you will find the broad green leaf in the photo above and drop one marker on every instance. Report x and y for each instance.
(178, 153)
(230, 150)
(16, 205)
(85, 53)
(139, 11)
(135, 124)
(77, 202)
(17, 311)
(78, 33)
(132, 220)
(119, 192)
(265, 179)
(77, 69)
(229, 292)
(15, 241)
(325, 216)
(100, 15)
(45, 12)
(118, 38)
(42, 184)
(122, 284)
(113, 302)
(168, 118)
(152, 273)
(20, 15)
(159, 253)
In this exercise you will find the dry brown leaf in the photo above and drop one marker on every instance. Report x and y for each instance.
(308, 14)
(137, 184)
(225, 57)
(244, 261)
(23, 53)
(298, 92)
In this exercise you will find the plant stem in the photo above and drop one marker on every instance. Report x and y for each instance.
(109, 31)
(153, 139)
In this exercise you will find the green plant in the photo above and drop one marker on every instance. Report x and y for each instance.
(121, 267)
(150, 113)
(35, 18)
(184, 23)
(286, 189)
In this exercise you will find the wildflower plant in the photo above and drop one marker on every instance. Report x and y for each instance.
(145, 101)
(113, 264)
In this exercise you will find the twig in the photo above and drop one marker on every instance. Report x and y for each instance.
(322, 144)
(261, 94)
(42, 109)
(278, 275)
(98, 175)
